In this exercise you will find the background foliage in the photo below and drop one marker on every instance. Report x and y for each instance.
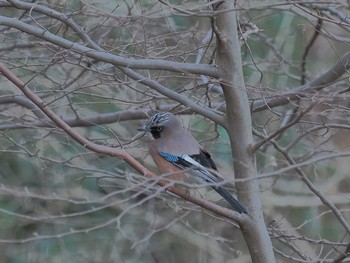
(61, 202)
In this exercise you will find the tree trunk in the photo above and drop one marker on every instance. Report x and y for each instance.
(239, 128)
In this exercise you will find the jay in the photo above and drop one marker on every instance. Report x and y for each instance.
(174, 149)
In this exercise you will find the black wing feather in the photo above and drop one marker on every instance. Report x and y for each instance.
(204, 159)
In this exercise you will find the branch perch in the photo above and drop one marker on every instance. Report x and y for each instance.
(119, 153)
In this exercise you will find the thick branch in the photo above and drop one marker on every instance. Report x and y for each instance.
(125, 65)
(239, 129)
(152, 64)
(119, 153)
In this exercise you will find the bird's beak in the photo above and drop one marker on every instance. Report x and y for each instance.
(143, 128)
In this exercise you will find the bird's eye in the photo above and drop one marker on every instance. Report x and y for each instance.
(156, 131)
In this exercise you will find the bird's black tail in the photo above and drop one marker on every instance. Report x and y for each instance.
(232, 201)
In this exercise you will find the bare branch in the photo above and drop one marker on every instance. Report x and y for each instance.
(151, 64)
(119, 153)
(318, 193)
(319, 83)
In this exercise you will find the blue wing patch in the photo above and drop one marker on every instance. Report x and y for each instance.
(183, 161)
(169, 157)
(200, 172)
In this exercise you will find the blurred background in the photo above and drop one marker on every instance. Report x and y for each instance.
(60, 202)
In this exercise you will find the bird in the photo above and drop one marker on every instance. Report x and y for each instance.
(174, 149)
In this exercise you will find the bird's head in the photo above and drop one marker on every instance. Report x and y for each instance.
(160, 123)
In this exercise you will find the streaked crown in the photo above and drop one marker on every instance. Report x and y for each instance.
(159, 119)
(156, 124)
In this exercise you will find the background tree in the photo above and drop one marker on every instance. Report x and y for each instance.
(263, 86)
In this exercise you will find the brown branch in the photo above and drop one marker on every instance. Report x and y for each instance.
(119, 153)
